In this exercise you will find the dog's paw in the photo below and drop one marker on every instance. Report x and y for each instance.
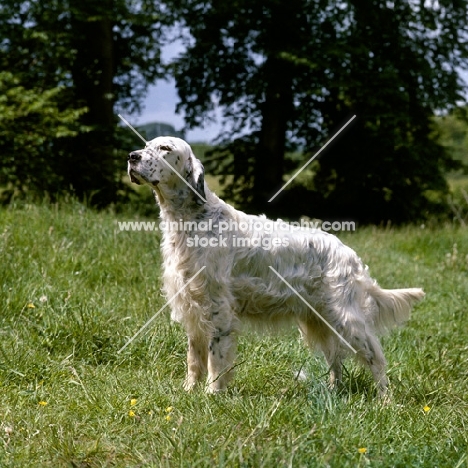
(189, 385)
(214, 390)
(385, 396)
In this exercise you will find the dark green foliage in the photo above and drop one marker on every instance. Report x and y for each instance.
(453, 133)
(30, 121)
(289, 74)
(83, 58)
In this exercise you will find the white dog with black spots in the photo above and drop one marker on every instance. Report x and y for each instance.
(272, 277)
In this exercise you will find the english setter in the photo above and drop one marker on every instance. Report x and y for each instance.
(222, 266)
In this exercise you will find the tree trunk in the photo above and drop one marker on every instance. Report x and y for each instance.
(93, 77)
(276, 111)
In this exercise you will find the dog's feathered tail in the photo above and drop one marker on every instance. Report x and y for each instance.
(393, 306)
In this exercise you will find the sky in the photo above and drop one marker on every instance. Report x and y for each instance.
(161, 100)
(159, 106)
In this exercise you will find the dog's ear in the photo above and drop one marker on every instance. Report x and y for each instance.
(195, 176)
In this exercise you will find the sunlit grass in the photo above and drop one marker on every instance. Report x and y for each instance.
(74, 289)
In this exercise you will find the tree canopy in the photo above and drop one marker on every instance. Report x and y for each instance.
(81, 59)
(289, 74)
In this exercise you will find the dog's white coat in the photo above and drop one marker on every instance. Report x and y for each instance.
(237, 283)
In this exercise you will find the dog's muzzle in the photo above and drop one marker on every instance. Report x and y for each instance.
(133, 178)
(133, 158)
(138, 179)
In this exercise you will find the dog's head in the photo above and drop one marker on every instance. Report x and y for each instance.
(167, 164)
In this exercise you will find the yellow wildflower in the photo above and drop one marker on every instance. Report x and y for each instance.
(43, 403)
(168, 417)
(131, 413)
(427, 409)
(169, 409)
(31, 305)
(133, 402)
(362, 450)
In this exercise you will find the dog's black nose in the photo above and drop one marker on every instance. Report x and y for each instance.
(134, 156)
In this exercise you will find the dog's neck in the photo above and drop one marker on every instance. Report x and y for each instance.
(181, 203)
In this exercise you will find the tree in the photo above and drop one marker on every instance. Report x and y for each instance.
(100, 55)
(289, 74)
(453, 131)
(30, 121)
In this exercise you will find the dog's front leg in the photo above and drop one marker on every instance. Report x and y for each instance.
(197, 357)
(221, 353)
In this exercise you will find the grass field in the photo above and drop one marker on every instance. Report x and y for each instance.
(74, 289)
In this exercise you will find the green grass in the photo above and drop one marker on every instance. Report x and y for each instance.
(74, 289)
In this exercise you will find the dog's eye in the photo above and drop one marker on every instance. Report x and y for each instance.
(165, 148)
